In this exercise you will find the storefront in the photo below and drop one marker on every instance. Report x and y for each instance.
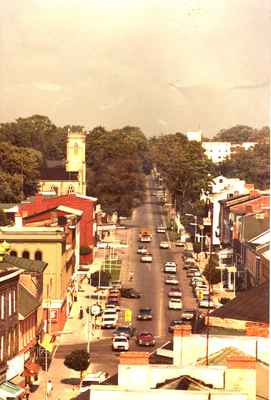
(10, 391)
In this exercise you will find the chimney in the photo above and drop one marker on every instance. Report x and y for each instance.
(18, 220)
(134, 370)
(240, 375)
(184, 346)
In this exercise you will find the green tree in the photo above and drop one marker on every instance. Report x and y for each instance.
(78, 360)
(251, 165)
(184, 167)
(211, 273)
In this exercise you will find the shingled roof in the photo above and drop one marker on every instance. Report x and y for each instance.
(250, 305)
(27, 303)
(25, 263)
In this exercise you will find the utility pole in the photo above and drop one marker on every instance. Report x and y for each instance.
(209, 285)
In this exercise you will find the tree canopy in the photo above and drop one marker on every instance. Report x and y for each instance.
(77, 360)
(184, 166)
(115, 161)
(243, 133)
(251, 165)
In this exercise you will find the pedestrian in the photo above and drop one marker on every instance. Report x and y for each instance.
(75, 295)
(49, 387)
(27, 392)
(81, 312)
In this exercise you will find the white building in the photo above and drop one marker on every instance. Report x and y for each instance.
(223, 188)
(194, 135)
(217, 151)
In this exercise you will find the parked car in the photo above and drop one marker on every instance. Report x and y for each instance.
(144, 314)
(164, 245)
(146, 258)
(116, 284)
(206, 304)
(120, 343)
(188, 314)
(174, 323)
(171, 279)
(175, 292)
(93, 379)
(179, 243)
(145, 339)
(126, 330)
(130, 293)
(175, 303)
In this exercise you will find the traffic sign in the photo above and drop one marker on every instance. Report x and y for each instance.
(95, 309)
(128, 315)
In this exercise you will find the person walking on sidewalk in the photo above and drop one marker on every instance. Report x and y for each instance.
(49, 387)
(27, 392)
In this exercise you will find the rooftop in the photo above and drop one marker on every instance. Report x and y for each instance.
(25, 263)
(27, 303)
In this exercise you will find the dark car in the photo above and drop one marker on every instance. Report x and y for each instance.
(175, 323)
(145, 339)
(144, 314)
(130, 293)
(127, 331)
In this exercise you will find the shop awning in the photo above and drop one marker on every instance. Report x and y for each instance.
(48, 342)
(10, 391)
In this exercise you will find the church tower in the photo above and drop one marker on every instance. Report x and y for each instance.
(76, 157)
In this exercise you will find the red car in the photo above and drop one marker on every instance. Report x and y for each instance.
(145, 339)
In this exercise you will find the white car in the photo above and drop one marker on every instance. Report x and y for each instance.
(171, 280)
(161, 229)
(179, 243)
(142, 250)
(175, 292)
(107, 312)
(120, 342)
(164, 245)
(170, 266)
(175, 303)
(206, 304)
(109, 321)
(111, 307)
(93, 379)
(146, 258)
(145, 239)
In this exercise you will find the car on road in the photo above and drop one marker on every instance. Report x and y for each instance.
(93, 379)
(110, 307)
(171, 280)
(146, 258)
(175, 303)
(120, 343)
(116, 284)
(145, 239)
(109, 322)
(114, 293)
(144, 314)
(188, 314)
(174, 323)
(191, 273)
(124, 330)
(142, 250)
(113, 301)
(175, 292)
(170, 267)
(164, 245)
(130, 293)
(206, 304)
(179, 243)
(145, 339)
(161, 229)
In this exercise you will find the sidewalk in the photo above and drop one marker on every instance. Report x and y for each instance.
(66, 381)
(74, 332)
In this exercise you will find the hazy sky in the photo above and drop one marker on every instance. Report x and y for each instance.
(163, 65)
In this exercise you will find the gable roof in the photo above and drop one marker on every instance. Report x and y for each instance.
(250, 305)
(26, 264)
(27, 303)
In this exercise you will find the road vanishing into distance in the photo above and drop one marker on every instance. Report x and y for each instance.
(148, 281)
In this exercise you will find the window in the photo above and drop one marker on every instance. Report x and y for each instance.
(14, 301)
(9, 304)
(2, 348)
(75, 149)
(26, 254)
(13, 253)
(38, 255)
(2, 306)
(70, 189)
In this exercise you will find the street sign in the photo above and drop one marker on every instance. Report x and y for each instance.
(95, 309)
(128, 315)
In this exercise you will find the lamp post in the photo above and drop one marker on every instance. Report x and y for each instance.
(193, 223)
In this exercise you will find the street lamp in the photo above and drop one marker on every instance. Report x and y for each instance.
(193, 223)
